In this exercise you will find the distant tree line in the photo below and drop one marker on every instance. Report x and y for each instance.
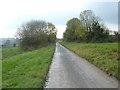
(8, 42)
(36, 33)
(88, 28)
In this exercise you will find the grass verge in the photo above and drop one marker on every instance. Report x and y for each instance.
(103, 55)
(10, 51)
(0, 68)
(0, 74)
(27, 70)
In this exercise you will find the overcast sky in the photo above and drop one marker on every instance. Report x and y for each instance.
(16, 12)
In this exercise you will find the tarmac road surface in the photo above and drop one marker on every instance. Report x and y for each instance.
(69, 70)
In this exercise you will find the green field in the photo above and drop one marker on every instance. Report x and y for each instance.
(103, 55)
(10, 51)
(27, 70)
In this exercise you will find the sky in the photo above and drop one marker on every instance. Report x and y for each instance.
(16, 12)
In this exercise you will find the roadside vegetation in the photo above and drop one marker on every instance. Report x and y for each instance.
(0, 74)
(0, 68)
(10, 51)
(26, 65)
(88, 28)
(36, 34)
(27, 70)
(88, 37)
(103, 55)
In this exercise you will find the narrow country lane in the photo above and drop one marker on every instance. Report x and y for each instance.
(69, 70)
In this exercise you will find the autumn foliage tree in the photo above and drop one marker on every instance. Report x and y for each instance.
(36, 33)
(69, 34)
(51, 33)
(88, 28)
(80, 33)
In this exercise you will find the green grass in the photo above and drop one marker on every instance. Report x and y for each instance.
(27, 70)
(10, 51)
(0, 74)
(103, 55)
(0, 68)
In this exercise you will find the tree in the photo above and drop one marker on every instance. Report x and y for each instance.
(80, 33)
(99, 33)
(52, 31)
(88, 28)
(95, 29)
(69, 34)
(36, 33)
(87, 17)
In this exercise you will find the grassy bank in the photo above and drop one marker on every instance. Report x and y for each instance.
(27, 70)
(10, 51)
(0, 68)
(0, 74)
(103, 55)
